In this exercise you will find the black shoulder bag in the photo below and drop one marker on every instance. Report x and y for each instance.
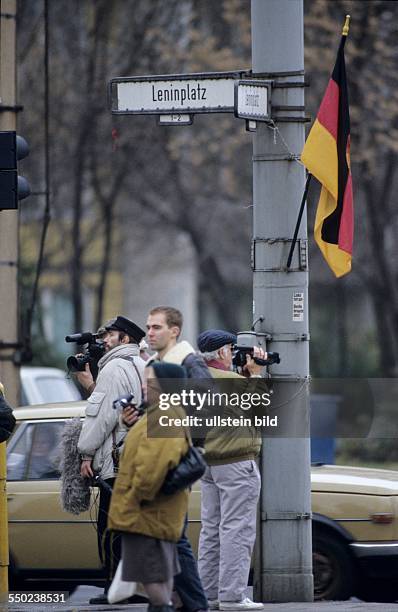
(191, 467)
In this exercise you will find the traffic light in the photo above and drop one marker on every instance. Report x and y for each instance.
(12, 186)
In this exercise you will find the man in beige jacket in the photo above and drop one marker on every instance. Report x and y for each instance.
(230, 491)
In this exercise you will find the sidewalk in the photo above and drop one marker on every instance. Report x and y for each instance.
(327, 606)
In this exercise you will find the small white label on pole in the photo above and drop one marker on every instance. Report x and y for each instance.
(298, 306)
(251, 126)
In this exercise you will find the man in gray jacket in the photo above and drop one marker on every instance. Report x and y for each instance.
(120, 372)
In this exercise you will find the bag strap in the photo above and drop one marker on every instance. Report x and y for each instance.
(131, 360)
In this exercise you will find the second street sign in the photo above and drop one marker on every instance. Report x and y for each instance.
(211, 92)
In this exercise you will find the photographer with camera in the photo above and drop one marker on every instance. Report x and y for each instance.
(230, 487)
(120, 372)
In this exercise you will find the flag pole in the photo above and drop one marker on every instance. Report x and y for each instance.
(304, 198)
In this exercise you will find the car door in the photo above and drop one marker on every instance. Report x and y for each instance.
(41, 535)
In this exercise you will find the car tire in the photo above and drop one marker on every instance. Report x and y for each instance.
(333, 567)
(15, 583)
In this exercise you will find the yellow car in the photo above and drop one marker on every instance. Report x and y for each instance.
(355, 519)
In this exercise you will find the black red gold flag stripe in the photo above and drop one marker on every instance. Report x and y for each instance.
(326, 155)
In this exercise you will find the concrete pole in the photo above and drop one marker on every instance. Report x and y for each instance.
(284, 562)
(9, 311)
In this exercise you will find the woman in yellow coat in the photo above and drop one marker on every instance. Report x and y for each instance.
(151, 522)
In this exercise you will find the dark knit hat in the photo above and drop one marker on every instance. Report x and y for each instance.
(163, 369)
(171, 377)
(213, 339)
(120, 323)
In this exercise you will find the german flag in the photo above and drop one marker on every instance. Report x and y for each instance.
(326, 155)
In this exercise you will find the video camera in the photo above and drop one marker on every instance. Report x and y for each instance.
(246, 341)
(91, 355)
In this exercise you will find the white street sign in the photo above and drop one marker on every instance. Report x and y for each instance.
(174, 94)
(253, 100)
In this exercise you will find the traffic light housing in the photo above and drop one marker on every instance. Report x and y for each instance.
(12, 186)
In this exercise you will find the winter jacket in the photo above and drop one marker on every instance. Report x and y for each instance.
(184, 354)
(137, 506)
(231, 444)
(116, 377)
(7, 419)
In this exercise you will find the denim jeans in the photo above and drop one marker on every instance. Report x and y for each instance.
(187, 583)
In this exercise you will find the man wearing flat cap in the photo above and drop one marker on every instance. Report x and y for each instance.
(120, 372)
(230, 488)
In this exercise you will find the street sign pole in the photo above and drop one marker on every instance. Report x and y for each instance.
(283, 565)
(280, 306)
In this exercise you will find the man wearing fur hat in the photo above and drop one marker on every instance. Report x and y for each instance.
(230, 488)
(120, 372)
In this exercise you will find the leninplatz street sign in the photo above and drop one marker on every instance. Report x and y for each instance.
(211, 92)
(175, 98)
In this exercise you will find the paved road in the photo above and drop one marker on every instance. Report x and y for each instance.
(77, 605)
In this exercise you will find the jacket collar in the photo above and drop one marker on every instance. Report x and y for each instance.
(123, 350)
(217, 364)
(176, 355)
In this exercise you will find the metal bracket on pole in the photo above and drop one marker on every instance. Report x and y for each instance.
(274, 75)
(291, 377)
(286, 516)
(8, 15)
(289, 84)
(286, 107)
(285, 337)
(6, 108)
(292, 119)
(275, 250)
(275, 157)
(14, 357)
(10, 345)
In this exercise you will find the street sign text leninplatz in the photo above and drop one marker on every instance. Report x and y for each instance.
(211, 92)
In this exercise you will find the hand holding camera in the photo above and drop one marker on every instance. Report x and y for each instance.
(255, 362)
(84, 377)
(130, 412)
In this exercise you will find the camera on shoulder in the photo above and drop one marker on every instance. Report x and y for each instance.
(91, 354)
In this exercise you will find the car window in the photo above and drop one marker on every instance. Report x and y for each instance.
(54, 389)
(36, 453)
(24, 399)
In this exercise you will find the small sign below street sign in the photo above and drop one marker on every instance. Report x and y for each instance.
(177, 119)
(181, 94)
(253, 100)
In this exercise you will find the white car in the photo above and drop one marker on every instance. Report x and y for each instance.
(46, 385)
